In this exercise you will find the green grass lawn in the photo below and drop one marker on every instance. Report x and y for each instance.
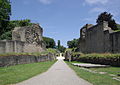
(96, 78)
(18, 73)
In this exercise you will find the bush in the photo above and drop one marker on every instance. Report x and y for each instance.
(107, 59)
(50, 43)
(6, 35)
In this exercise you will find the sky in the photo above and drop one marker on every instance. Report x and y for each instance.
(62, 19)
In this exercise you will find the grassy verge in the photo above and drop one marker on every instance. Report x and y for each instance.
(18, 73)
(96, 78)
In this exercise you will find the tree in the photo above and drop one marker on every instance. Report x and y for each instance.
(5, 12)
(7, 34)
(62, 49)
(118, 26)
(107, 17)
(50, 43)
(73, 43)
(59, 44)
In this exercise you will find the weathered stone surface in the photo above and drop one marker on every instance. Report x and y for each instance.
(30, 34)
(99, 39)
(24, 39)
(68, 55)
(90, 65)
(23, 59)
(11, 46)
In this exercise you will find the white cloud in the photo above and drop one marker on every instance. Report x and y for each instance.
(45, 1)
(90, 19)
(96, 1)
(96, 9)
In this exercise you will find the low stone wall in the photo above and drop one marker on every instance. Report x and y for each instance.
(23, 59)
(11, 46)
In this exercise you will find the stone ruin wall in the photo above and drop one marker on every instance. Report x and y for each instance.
(10, 46)
(24, 39)
(115, 42)
(99, 39)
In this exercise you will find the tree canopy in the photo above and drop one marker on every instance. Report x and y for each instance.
(50, 43)
(5, 12)
(7, 34)
(107, 17)
(60, 47)
(73, 43)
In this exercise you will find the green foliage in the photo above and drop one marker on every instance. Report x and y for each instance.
(61, 48)
(7, 34)
(58, 44)
(20, 23)
(107, 58)
(77, 54)
(51, 50)
(14, 74)
(104, 17)
(5, 12)
(105, 55)
(68, 49)
(107, 17)
(50, 43)
(73, 43)
(118, 26)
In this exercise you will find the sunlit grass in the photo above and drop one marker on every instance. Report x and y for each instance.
(96, 78)
(18, 73)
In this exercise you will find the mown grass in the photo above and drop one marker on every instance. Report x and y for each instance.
(110, 70)
(18, 73)
(95, 78)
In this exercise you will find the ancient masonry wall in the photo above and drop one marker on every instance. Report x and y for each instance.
(115, 42)
(24, 59)
(24, 39)
(11, 46)
(100, 39)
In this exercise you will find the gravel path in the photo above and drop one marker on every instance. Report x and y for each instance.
(58, 74)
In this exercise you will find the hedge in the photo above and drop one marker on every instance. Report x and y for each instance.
(106, 59)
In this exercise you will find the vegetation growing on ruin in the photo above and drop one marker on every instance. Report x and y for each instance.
(18, 73)
(106, 58)
(96, 78)
(50, 50)
(7, 33)
(107, 17)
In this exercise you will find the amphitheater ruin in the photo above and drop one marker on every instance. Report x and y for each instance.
(99, 39)
(24, 39)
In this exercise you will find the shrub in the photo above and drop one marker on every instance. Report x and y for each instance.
(107, 59)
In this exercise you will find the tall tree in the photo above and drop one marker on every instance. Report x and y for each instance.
(59, 44)
(107, 17)
(5, 12)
